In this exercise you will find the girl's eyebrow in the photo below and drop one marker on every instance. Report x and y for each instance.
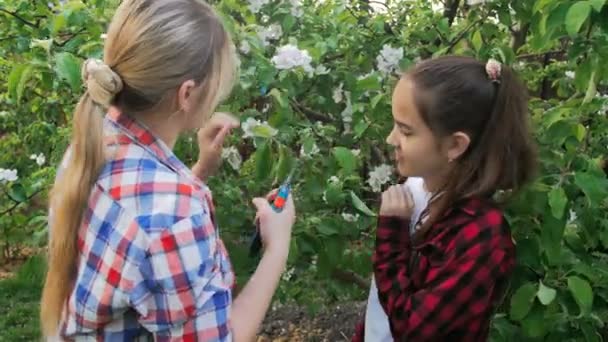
(403, 125)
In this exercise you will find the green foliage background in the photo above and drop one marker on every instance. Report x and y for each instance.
(560, 223)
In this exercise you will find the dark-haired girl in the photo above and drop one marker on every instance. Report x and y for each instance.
(441, 264)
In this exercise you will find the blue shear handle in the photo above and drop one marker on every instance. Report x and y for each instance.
(256, 242)
(281, 198)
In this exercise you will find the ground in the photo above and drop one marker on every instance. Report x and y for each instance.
(21, 283)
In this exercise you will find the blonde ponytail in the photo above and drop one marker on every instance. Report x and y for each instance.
(151, 48)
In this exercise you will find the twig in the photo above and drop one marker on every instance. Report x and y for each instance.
(350, 277)
(461, 34)
(17, 203)
(534, 55)
(72, 36)
(8, 38)
(309, 113)
(21, 19)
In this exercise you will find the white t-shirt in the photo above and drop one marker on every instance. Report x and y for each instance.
(377, 328)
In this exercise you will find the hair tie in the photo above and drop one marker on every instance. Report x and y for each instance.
(101, 81)
(493, 69)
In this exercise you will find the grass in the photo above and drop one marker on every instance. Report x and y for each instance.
(19, 302)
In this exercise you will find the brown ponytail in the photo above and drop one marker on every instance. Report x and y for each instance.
(456, 94)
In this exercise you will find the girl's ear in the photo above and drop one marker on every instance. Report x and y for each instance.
(456, 145)
(185, 97)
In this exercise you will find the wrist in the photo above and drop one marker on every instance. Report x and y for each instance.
(199, 171)
(280, 254)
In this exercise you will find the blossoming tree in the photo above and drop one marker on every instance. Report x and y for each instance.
(314, 94)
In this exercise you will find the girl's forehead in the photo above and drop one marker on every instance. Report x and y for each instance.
(404, 106)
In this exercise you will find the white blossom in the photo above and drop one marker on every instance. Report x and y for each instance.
(572, 216)
(8, 175)
(270, 33)
(338, 95)
(604, 109)
(103, 36)
(388, 59)
(40, 159)
(347, 114)
(255, 128)
(232, 155)
(308, 153)
(256, 5)
(296, 8)
(570, 74)
(333, 179)
(379, 176)
(350, 217)
(355, 152)
(245, 48)
(288, 274)
(321, 70)
(289, 57)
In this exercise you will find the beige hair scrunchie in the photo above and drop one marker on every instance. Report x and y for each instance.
(101, 81)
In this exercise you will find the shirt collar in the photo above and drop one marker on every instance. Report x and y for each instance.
(129, 130)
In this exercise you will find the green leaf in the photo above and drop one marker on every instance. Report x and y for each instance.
(579, 132)
(14, 79)
(17, 192)
(476, 40)
(278, 96)
(582, 293)
(376, 99)
(522, 301)
(263, 162)
(534, 325)
(591, 88)
(360, 128)
(545, 294)
(597, 4)
(552, 232)
(371, 82)
(359, 205)
(594, 187)
(25, 76)
(346, 159)
(67, 67)
(286, 163)
(59, 22)
(576, 17)
(327, 228)
(557, 201)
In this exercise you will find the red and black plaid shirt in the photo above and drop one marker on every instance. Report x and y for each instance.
(445, 289)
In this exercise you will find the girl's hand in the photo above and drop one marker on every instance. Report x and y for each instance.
(210, 143)
(397, 201)
(275, 228)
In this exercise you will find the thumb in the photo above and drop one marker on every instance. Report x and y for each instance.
(218, 141)
(261, 204)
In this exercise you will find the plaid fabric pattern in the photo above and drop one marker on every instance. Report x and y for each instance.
(151, 263)
(446, 288)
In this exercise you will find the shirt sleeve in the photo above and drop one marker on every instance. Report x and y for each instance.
(181, 294)
(456, 291)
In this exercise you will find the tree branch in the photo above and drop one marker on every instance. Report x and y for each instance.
(17, 203)
(71, 36)
(309, 113)
(450, 10)
(21, 19)
(461, 34)
(349, 276)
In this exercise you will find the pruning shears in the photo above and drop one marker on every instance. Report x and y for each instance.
(277, 203)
